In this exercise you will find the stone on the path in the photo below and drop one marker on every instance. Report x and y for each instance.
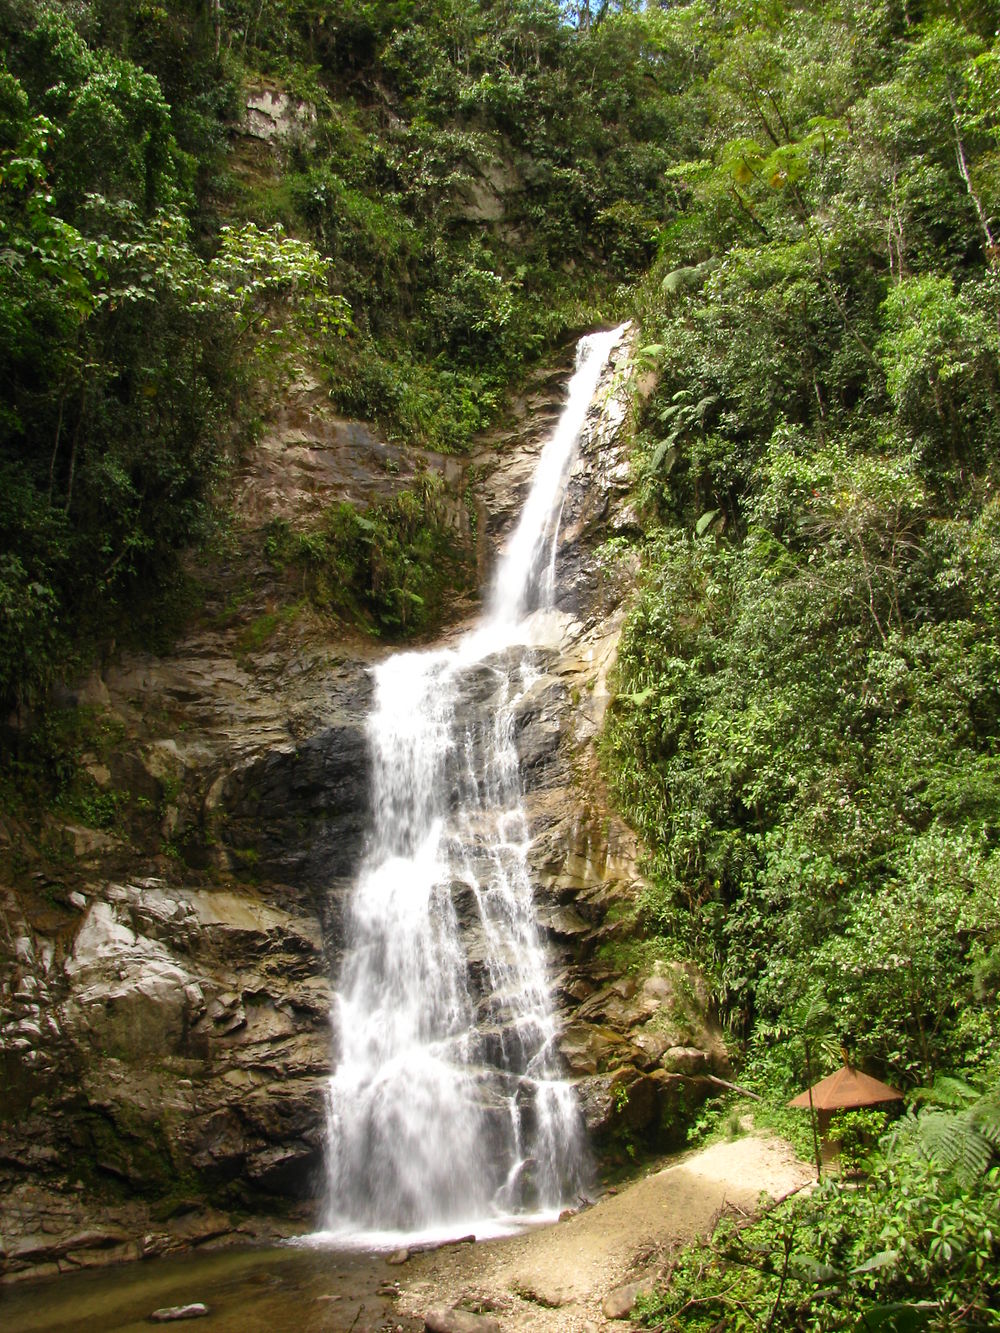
(170, 1313)
(618, 1303)
(442, 1320)
(542, 1291)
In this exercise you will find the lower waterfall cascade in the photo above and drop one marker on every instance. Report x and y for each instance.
(447, 1106)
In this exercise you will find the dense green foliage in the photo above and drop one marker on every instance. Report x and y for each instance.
(385, 568)
(801, 204)
(807, 729)
(809, 710)
(481, 175)
(913, 1244)
(467, 183)
(126, 350)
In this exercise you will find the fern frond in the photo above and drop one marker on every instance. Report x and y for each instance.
(900, 1136)
(985, 1117)
(960, 1142)
(947, 1092)
(939, 1137)
(973, 1159)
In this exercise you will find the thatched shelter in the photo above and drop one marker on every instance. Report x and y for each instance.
(846, 1090)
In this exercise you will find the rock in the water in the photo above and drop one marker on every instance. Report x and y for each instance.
(170, 1313)
(442, 1320)
(398, 1257)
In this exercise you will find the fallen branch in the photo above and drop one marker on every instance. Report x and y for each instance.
(426, 1247)
(733, 1087)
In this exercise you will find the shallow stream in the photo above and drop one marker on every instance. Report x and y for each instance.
(278, 1289)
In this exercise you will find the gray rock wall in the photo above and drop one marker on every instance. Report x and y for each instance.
(165, 988)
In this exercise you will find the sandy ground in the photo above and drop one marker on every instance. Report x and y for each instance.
(558, 1278)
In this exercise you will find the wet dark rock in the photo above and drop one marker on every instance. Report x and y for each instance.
(287, 1170)
(300, 815)
(540, 723)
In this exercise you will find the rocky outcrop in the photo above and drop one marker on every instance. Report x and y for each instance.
(641, 1049)
(309, 457)
(165, 982)
(277, 118)
(186, 1046)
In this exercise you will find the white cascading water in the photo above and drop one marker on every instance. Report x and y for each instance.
(447, 1108)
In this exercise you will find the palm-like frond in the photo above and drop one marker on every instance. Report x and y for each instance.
(985, 1116)
(946, 1091)
(962, 1141)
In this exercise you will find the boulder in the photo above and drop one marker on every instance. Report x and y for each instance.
(619, 1303)
(277, 118)
(443, 1320)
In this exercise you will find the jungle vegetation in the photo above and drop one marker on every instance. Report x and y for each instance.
(475, 184)
(806, 728)
(799, 203)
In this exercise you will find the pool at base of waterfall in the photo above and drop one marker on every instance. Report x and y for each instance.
(308, 1288)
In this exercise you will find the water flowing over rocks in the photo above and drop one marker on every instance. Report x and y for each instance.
(447, 1101)
(165, 983)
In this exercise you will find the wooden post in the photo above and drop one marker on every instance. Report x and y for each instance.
(812, 1113)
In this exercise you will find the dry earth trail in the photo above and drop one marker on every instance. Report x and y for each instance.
(558, 1278)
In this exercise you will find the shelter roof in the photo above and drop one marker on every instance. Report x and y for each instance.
(845, 1089)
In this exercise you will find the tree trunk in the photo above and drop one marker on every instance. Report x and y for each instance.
(963, 167)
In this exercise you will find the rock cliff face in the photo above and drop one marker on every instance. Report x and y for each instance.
(165, 984)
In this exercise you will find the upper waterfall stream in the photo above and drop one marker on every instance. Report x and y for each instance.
(447, 1107)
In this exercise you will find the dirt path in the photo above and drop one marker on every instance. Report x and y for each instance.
(557, 1279)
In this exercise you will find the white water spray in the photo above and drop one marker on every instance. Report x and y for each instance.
(447, 1107)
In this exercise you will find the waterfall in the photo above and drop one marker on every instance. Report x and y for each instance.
(446, 1107)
